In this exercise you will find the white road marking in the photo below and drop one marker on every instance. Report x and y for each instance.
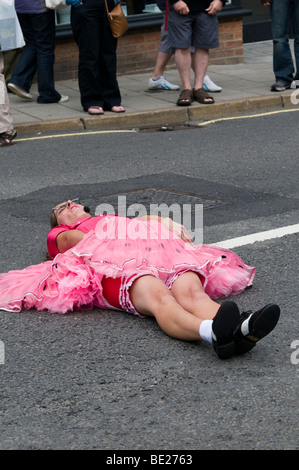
(258, 237)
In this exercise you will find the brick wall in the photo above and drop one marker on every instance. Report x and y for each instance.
(137, 50)
(231, 43)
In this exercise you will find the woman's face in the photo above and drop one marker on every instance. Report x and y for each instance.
(69, 212)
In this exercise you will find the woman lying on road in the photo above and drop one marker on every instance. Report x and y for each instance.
(147, 266)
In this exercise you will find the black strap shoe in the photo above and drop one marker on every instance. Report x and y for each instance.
(224, 324)
(255, 326)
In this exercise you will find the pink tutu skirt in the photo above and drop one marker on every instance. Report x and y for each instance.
(125, 249)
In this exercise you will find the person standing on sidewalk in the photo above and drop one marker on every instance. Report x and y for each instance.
(99, 90)
(38, 27)
(193, 23)
(165, 51)
(7, 132)
(284, 12)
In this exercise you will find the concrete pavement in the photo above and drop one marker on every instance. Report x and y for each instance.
(245, 89)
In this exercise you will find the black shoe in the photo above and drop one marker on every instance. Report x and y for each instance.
(254, 326)
(224, 324)
(279, 85)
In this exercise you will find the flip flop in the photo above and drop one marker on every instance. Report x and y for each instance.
(117, 109)
(95, 110)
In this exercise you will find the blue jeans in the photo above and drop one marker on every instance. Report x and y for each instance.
(283, 12)
(38, 55)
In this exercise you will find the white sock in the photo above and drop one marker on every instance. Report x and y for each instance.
(205, 330)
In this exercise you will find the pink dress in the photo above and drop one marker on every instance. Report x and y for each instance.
(123, 248)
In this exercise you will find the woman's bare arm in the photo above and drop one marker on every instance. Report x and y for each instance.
(68, 239)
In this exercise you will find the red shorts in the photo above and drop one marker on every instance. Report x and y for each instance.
(111, 288)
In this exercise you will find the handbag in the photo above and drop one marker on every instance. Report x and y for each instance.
(55, 4)
(11, 36)
(117, 20)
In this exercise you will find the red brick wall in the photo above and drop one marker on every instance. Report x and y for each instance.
(137, 50)
(231, 43)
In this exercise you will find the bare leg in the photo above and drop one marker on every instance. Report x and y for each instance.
(162, 61)
(151, 297)
(200, 62)
(189, 293)
(185, 312)
(183, 63)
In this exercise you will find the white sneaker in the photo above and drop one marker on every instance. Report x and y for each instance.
(209, 85)
(63, 99)
(19, 91)
(295, 84)
(162, 84)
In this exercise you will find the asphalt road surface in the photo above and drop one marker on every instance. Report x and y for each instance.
(104, 380)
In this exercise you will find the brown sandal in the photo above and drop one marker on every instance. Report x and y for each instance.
(6, 139)
(201, 96)
(185, 98)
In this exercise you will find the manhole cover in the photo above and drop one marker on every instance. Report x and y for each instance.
(150, 200)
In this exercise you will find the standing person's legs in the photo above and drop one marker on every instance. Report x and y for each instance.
(295, 22)
(162, 60)
(7, 132)
(200, 61)
(165, 52)
(183, 63)
(97, 56)
(201, 31)
(23, 73)
(44, 35)
(282, 58)
(86, 33)
(205, 37)
(179, 38)
(108, 66)
(10, 61)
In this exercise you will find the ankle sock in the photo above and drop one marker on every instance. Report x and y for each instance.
(205, 330)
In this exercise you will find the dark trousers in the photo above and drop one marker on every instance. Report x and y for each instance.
(284, 11)
(97, 55)
(38, 55)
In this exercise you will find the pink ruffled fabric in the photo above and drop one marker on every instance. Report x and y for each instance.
(64, 284)
(125, 248)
